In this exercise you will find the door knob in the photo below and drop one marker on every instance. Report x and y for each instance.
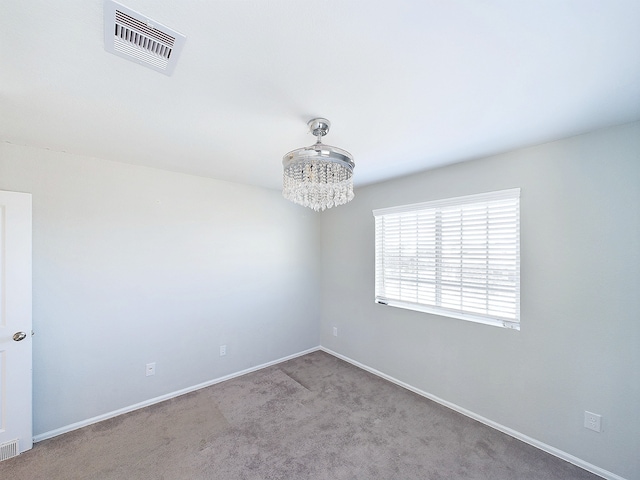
(19, 336)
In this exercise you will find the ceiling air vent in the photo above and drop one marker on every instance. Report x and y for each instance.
(135, 37)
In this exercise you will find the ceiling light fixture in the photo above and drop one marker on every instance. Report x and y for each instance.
(319, 176)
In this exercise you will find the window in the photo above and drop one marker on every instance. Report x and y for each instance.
(458, 257)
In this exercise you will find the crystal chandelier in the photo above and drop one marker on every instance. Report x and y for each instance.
(319, 176)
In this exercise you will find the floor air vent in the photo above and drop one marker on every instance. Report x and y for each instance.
(135, 37)
(8, 449)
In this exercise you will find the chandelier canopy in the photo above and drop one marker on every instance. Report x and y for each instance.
(319, 176)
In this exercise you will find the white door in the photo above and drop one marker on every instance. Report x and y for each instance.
(15, 324)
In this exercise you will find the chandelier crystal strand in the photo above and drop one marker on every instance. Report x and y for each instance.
(318, 184)
(319, 176)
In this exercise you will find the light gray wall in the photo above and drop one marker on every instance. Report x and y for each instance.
(134, 265)
(579, 347)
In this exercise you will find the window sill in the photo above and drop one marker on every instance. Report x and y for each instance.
(443, 312)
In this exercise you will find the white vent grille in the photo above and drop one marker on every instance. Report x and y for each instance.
(9, 449)
(135, 37)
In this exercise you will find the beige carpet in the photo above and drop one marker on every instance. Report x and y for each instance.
(314, 417)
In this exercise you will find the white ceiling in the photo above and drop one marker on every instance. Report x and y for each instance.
(407, 85)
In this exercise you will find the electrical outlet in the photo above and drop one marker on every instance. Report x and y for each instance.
(151, 369)
(335, 331)
(223, 350)
(593, 421)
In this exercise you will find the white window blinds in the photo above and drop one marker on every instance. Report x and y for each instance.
(458, 257)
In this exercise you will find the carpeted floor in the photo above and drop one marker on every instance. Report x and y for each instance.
(313, 417)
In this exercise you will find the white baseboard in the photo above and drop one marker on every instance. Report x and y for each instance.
(513, 433)
(162, 398)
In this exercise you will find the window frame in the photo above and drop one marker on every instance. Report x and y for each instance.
(505, 281)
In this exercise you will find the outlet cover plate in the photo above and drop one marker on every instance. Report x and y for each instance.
(593, 421)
